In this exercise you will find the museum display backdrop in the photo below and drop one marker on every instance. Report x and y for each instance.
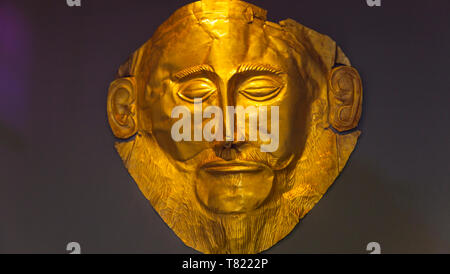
(226, 194)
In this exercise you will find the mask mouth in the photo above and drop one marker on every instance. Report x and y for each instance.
(231, 187)
(235, 166)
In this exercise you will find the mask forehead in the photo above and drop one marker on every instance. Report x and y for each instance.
(246, 43)
(219, 40)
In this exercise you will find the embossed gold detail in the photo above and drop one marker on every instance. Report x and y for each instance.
(228, 196)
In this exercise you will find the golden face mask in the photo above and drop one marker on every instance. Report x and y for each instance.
(229, 196)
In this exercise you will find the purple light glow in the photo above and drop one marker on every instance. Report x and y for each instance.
(14, 66)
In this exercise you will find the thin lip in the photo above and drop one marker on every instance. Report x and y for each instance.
(232, 166)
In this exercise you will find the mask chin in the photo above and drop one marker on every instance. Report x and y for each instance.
(234, 187)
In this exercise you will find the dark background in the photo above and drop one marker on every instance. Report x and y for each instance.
(61, 179)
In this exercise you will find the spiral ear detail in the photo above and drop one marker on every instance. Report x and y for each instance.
(121, 107)
(345, 98)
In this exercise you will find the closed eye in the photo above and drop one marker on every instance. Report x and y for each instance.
(260, 88)
(196, 88)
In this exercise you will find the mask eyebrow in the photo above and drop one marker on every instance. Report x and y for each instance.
(191, 71)
(259, 68)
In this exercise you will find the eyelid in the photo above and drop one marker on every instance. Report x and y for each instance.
(261, 88)
(196, 88)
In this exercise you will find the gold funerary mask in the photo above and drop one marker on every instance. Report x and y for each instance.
(234, 127)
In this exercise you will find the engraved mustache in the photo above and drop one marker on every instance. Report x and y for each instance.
(240, 152)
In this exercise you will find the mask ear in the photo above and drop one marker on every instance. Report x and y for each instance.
(122, 107)
(345, 98)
